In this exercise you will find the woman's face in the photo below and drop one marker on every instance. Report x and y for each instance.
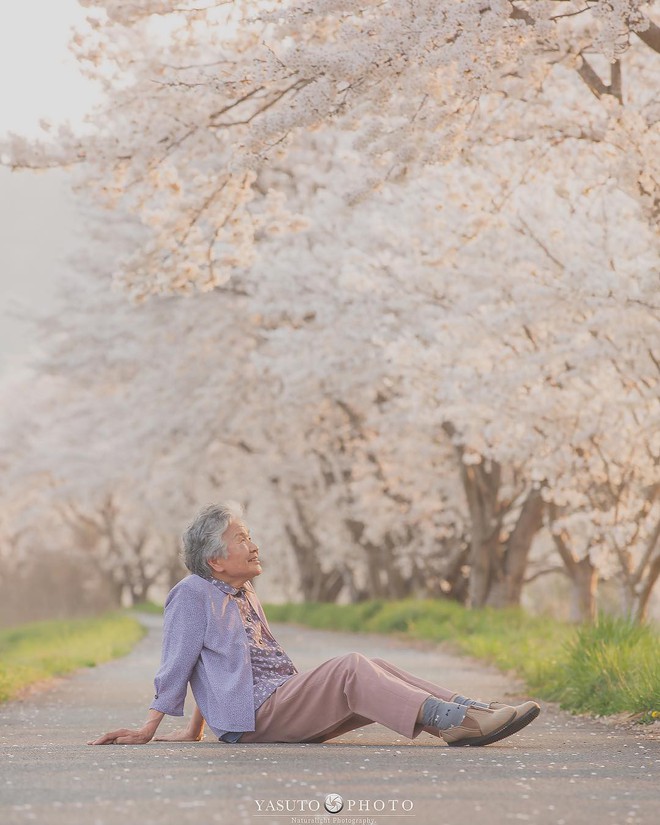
(242, 562)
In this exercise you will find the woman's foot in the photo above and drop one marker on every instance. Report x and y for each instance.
(525, 713)
(480, 726)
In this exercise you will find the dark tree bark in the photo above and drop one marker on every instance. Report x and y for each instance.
(582, 574)
(512, 557)
(125, 557)
(482, 486)
(647, 574)
(386, 580)
(316, 584)
(455, 576)
(497, 568)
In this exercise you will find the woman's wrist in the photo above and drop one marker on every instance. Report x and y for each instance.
(196, 731)
(151, 724)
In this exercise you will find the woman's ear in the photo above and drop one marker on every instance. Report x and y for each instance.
(216, 565)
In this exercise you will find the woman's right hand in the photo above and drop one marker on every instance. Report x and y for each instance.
(124, 736)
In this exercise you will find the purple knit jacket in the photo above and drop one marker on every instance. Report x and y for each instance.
(205, 643)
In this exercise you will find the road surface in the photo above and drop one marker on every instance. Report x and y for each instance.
(561, 770)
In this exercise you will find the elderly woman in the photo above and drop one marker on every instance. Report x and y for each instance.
(216, 637)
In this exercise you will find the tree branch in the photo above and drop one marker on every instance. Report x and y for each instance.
(651, 36)
(593, 81)
(533, 576)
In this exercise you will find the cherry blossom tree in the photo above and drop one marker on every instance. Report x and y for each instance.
(354, 387)
(172, 405)
(581, 350)
(426, 235)
(203, 97)
(526, 361)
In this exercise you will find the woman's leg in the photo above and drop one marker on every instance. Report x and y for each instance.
(341, 694)
(430, 687)
(525, 713)
(433, 689)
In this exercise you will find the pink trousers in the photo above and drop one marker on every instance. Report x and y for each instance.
(344, 693)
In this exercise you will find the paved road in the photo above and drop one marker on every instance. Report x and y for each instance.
(560, 770)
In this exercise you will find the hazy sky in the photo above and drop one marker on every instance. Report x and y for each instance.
(39, 78)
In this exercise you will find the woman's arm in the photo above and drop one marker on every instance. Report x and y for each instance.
(193, 732)
(124, 736)
(184, 627)
(183, 638)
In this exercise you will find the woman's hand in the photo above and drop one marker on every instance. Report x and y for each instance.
(181, 735)
(124, 736)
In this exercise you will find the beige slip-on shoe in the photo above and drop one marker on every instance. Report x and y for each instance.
(525, 713)
(479, 726)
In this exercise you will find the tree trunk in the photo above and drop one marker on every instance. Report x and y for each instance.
(309, 569)
(454, 581)
(581, 572)
(508, 575)
(584, 583)
(496, 571)
(316, 584)
(481, 486)
(651, 565)
(642, 606)
(175, 569)
(385, 579)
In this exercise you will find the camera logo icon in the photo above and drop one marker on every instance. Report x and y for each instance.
(333, 803)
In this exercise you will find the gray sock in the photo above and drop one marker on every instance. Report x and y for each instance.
(442, 715)
(463, 700)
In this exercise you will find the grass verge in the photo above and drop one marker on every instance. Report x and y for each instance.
(606, 668)
(147, 607)
(34, 652)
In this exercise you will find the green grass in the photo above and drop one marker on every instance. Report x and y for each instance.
(146, 607)
(34, 652)
(606, 668)
(610, 667)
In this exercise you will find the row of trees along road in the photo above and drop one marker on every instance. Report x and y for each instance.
(394, 270)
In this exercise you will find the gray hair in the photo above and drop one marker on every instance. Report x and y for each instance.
(202, 539)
